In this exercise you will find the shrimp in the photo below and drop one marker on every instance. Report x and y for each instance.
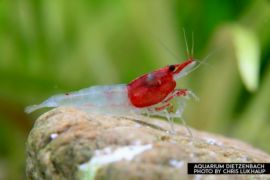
(149, 94)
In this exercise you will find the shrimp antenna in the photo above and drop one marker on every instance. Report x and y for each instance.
(193, 44)
(169, 50)
(204, 60)
(185, 37)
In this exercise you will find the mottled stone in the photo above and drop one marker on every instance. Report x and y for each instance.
(64, 138)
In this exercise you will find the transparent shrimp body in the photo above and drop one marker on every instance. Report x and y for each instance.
(111, 99)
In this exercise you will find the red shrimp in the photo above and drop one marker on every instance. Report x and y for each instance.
(149, 94)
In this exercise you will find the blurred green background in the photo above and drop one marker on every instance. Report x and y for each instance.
(53, 46)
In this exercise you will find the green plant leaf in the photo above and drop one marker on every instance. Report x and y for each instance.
(247, 52)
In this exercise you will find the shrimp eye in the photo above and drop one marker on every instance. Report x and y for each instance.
(171, 68)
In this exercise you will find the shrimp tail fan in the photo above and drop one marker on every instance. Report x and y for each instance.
(32, 108)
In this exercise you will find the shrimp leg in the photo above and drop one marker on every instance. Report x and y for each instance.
(167, 107)
(176, 93)
(181, 92)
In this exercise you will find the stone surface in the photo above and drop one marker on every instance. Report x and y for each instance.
(64, 138)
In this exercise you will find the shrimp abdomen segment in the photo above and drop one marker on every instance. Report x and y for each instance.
(93, 98)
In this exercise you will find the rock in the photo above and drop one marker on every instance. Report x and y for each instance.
(63, 140)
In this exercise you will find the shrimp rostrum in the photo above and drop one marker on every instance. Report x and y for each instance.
(150, 94)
